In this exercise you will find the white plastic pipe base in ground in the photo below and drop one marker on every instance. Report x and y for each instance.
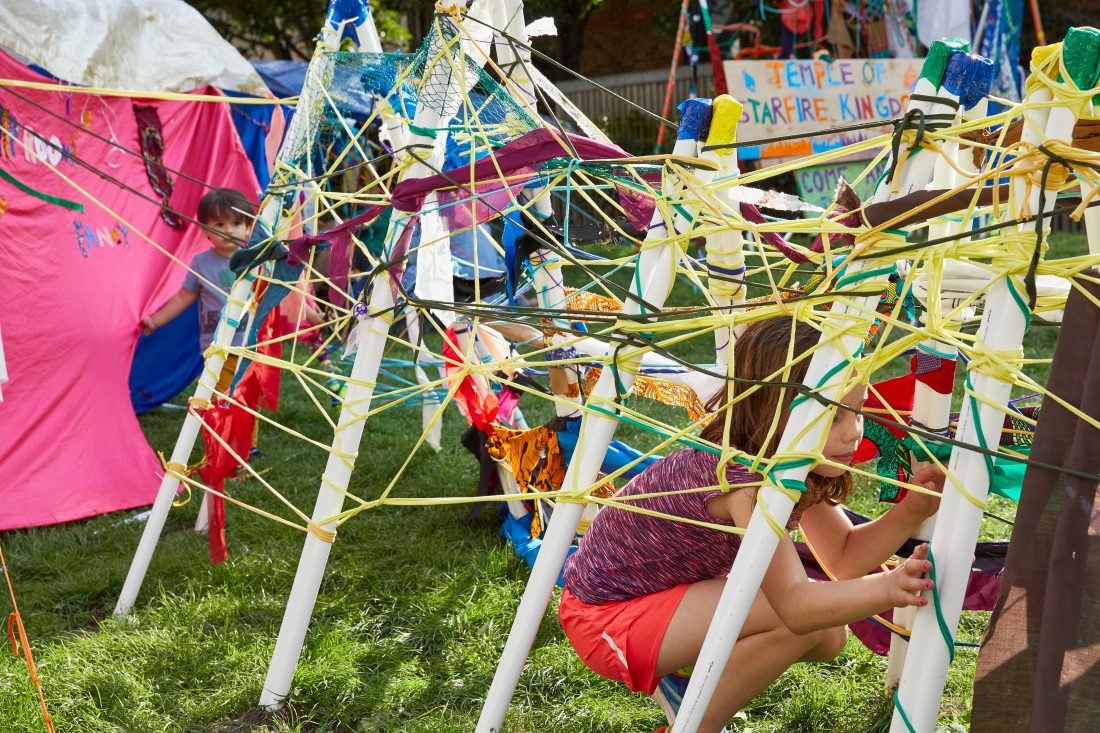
(237, 303)
(373, 331)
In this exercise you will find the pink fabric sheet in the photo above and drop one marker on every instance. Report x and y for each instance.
(74, 286)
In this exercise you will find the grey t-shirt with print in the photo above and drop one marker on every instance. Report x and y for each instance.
(215, 269)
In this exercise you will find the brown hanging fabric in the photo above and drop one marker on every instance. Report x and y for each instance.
(151, 141)
(1039, 666)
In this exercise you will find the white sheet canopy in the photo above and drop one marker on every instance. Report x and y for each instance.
(144, 45)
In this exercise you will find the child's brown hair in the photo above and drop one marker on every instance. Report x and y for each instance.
(225, 204)
(761, 351)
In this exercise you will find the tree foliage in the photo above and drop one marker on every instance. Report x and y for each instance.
(286, 29)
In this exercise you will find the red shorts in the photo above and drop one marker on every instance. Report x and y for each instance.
(620, 640)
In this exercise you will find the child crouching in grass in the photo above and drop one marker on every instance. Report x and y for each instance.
(641, 591)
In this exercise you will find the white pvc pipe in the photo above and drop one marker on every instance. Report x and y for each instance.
(725, 251)
(515, 60)
(1092, 228)
(202, 519)
(429, 401)
(1003, 326)
(655, 266)
(1035, 120)
(760, 540)
(372, 332)
(931, 409)
(237, 302)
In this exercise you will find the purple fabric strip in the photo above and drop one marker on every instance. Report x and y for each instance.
(774, 239)
(517, 158)
(339, 237)
(850, 219)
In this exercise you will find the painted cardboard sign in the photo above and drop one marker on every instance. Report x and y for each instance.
(817, 183)
(808, 96)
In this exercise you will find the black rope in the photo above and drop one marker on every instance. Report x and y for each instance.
(636, 340)
(915, 119)
(99, 137)
(1037, 253)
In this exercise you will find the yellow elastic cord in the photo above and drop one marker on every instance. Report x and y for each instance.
(1001, 364)
(325, 535)
(198, 404)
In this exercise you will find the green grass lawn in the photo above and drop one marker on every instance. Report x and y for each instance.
(410, 622)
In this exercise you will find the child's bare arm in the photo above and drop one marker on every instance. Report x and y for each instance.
(177, 304)
(851, 552)
(804, 606)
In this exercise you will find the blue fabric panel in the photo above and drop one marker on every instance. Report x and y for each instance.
(253, 121)
(166, 361)
(518, 533)
(618, 453)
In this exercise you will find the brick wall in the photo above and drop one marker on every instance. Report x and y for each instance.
(621, 37)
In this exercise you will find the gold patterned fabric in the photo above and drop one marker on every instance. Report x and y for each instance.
(534, 456)
(677, 395)
(537, 463)
(583, 300)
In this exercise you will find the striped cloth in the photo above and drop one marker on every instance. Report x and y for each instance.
(626, 554)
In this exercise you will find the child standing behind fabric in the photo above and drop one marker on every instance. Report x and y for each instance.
(641, 591)
(226, 217)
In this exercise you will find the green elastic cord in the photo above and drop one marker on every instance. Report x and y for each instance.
(682, 211)
(942, 451)
(1021, 302)
(901, 712)
(620, 388)
(935, 352)
(798, 485)
(799, 399)
(974, 411)
(638, 281)
(430, 132)
(944, 630)
(862, 275)
(794, 484)
(790, 464)
(57, 201)
(689, 442)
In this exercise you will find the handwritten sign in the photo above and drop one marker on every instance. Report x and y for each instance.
(817, 183)
(807, 96)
